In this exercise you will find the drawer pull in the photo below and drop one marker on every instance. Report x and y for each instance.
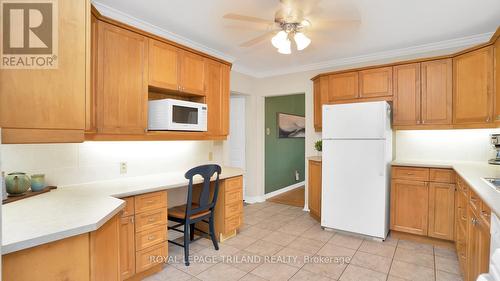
(149, 202)
(151, 237)
(485, 214)
(410, 174)
(474, 221)
(151, 219)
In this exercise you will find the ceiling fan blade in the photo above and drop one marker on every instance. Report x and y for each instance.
(257, 39)
(246, 18)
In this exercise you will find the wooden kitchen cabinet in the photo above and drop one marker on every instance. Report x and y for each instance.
(164, 65)
(122, 85)
(375, 82)
(437, 92)
(409, 206)
(342, 86)
(192, 73)
(441, 210)
(473, 87)
(314, 189)
(478, 247)
(48, 105)
(497, 81)
(127, 247)
(407, 98)
(217, 98)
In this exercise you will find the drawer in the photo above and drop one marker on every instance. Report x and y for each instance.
(235, 208)
(442, 175)
(410, 173)
(485, 213)
(129, 207)
(150, 219)
(144, 260)
(150, 201)
(474, 201)
(233, 183)
(151, 237)
(232, 223)
(233, 196)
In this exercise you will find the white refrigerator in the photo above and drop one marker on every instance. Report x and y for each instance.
(357, 151)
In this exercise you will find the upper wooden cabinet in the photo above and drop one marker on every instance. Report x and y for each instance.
(375, 82)
(406, 94)
(437, 92)
(48, 105)
(343, 86)
(217, 75)
(164, 65)
(192, 73)
(473, 87)
(497, 81)
(320, 95)
(122, 87)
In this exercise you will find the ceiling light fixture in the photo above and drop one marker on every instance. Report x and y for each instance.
(282, 42)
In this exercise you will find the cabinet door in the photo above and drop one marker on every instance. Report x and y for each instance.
(406, 94)
(163, 65)
(317, 104)
(217, 98)
(127, 247)
(478, 250)
(441, 210)
(122, 90)
(473, 87)
(192, 73)
(409, 206)
(497, 81)
(375, 82)
(48, 105)
(342, 86)
(314, 189)
(437, 92)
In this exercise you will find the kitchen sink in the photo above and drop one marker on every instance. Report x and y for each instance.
(493, 182)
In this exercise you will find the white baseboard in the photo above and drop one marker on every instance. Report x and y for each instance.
(254, 199)
(284, 189)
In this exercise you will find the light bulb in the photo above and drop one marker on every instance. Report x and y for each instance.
(301, 40)
(286, 47)
(279, 38)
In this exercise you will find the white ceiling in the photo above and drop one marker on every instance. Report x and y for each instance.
(387, 26)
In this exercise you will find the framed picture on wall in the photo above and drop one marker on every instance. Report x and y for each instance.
(291, 126)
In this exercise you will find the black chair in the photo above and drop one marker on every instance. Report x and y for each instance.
(201, 210)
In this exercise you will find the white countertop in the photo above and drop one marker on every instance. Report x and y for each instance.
(471, 172)
(75, 209)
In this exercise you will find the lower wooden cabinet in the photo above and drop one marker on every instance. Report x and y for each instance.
(127, 247)
(478, 247)
(423, 201)
(314, 189)
(409, 206)
(441, 210)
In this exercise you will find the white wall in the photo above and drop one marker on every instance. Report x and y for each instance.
(464, 145)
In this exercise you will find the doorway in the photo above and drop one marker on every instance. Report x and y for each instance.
(236, 140)
(285, 149)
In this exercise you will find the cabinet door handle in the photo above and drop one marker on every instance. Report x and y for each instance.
(151, 219)
(151, 237)
(474, 221)
(488, 119)
(485, 214)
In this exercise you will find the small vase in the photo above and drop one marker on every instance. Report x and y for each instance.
(17, 183)
(37, 182)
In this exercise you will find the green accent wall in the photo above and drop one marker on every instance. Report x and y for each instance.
(286, 155)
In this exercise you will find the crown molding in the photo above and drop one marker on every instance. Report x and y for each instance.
(138, 23)
(447, 45)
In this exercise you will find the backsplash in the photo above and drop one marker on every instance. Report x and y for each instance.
(464, 145)
(65, 164)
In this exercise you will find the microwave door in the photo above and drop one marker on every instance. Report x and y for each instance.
(184, 116)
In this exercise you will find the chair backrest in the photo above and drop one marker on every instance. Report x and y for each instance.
(206, 172)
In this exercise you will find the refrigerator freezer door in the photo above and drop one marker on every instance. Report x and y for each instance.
(366, 120)
(355, 186)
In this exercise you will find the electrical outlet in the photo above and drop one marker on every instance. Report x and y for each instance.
(297, 175)
(123, 168)
(268, 131)
(210, 156)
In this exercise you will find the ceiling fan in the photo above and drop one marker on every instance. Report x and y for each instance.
(291, 21)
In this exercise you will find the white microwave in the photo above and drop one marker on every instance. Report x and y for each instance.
(176, 115)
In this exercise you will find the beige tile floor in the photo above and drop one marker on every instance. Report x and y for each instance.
(303, 251)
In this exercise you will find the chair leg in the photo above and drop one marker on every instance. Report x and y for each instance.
(186, 243)
(212, 232)
(191, 232)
